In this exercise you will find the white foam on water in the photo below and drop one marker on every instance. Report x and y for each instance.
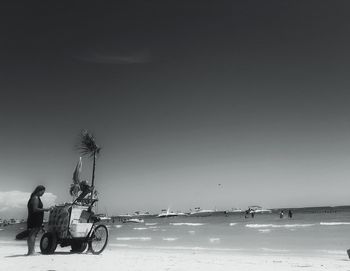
(191, 232)
(233, 224)
(274, 250)
(264, 230)
(133, 238)
(279, 226)
(170, 239)
(150, 224)
(1, 229)
(333, 252)
(187, 224)
(118, 226)
(153, 227)
(140, 229)
(214, 240)
(334, 223)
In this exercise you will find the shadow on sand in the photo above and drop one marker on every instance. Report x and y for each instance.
(17, 255)
(39, 254)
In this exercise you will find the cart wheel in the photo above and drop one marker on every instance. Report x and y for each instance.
(99, 239)
(48, 243)
(78, 246)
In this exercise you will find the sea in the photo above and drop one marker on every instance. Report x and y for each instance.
(309, 232)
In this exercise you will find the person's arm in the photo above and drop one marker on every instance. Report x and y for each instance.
(36, 204)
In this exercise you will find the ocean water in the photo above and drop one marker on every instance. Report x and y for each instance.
(307, 233)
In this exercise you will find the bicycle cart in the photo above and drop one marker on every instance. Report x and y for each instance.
(74, 225)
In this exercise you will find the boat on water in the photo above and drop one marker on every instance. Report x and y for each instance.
(167, 213)
(104, 217)
(133, 220)
(236, 210)
(258, 209)
(181, 213)
(138, 214)
(201, 212)
(14, 221)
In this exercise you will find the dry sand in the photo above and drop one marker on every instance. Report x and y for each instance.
(122, 259)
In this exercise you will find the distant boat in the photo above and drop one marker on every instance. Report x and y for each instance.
(125, 216)
(133, 220)
(14, 221)
(258, 209)
(181, 213)
(167, 213)
(236, 210)
(199, 212)
(139, 214)
(104, 217)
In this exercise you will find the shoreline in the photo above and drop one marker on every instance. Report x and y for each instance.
(119, 258)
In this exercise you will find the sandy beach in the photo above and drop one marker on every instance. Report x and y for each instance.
(123, 259)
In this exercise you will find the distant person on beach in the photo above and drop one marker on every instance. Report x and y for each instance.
(281, 214)
(290, 214)
(35, 216)
(247, 213)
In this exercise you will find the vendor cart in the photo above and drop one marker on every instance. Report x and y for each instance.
(75, 225)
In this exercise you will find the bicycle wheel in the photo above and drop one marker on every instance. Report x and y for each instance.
(99, 239)
(48, 243)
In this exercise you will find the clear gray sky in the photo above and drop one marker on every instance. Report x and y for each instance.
(183, 96)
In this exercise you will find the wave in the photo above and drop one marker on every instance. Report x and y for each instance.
(191, 232)
(274, 250)
(279, 226)
(233, 224)
(170, 238)
(133, 238)
(150, 224)
(333, 252)
(187, 224)
(140, 229)
(118, 226)
(334, 223)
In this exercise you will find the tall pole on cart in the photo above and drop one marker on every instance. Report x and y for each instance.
(88, 146)
(93, 176)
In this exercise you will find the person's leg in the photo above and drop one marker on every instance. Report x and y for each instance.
(31, 240)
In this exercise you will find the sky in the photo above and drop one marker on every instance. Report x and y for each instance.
(212, 104)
